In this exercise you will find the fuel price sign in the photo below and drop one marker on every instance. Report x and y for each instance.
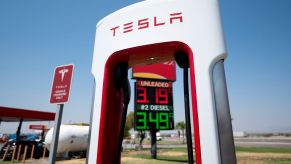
(153, 105)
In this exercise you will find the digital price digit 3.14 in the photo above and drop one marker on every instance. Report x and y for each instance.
(153, 105)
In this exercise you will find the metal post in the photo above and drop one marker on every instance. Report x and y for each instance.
(24, 154)
(4, 156)
(44, 152)
(18, 153)
(32, 152)
(55, 139)
(42, 134)
(13, 153)
(19, 130)
(226, 141)
(187, 116)
(153, 143)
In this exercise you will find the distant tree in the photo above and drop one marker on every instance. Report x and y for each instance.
(130, 120)
(128, 124)
(180, 126)
(126, 131)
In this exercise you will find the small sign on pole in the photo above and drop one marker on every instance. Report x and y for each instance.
(59, 95)
(61, 84)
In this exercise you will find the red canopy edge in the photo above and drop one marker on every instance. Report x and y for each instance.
(8, 114)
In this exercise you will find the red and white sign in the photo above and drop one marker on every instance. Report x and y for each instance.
(37, 127)
(61, 84)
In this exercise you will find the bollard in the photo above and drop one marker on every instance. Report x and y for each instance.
(4, 156)
(24, 155)
(18, 153)
(32, 152)
(13, 153)
(44, 150)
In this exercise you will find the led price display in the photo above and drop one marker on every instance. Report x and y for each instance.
(153, 105)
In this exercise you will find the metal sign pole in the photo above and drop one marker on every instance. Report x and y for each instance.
(153, 143)
(55, 139)
(19, 129)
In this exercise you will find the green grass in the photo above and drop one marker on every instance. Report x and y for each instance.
(163, 142)
(168, 156)
(279, 161)
(145, 154)
(169, 142)
(262, 150)
(181, 158)
(163, 157)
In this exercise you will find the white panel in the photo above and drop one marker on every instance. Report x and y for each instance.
(201, 30)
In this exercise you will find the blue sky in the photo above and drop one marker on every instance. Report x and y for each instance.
(36, 36)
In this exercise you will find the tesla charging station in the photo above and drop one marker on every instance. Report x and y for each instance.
(155, 31)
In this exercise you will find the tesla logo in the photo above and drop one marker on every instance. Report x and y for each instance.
(62, 72)
(147, 23)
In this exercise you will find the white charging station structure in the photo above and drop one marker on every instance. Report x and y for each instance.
(151, 32)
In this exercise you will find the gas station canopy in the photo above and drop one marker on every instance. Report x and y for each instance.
(8, 114)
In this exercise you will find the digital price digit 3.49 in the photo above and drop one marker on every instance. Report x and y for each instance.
(153, 105)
